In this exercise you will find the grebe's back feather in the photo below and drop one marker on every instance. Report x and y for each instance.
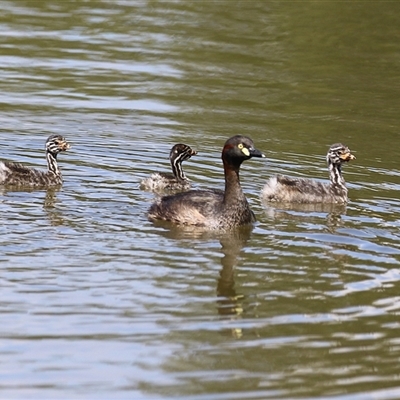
(16, 174)
(284, 189)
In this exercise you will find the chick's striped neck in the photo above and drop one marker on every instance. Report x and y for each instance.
(335, 175)
(176, 164)
(52, 163)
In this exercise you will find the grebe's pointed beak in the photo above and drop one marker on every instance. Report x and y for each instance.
(256, 153)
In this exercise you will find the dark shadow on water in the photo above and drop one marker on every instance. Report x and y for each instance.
(179, 232)
(229, 301)
(54, 215)
(4, 190)
(49, 200)
(331, 212)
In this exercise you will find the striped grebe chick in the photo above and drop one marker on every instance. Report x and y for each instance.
(300, 190)
(176, 180)
(16, 174)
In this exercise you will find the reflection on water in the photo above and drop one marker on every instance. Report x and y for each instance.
(232, 243)
(46, 196)
(332, 213)
(229, 303)
(99, 302)
(54, 214)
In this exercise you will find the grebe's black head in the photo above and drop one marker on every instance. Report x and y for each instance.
(238, 149)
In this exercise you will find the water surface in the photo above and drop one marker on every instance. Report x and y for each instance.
(98, 302)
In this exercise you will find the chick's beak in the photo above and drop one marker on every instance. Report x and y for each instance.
(347, 157)
(64, 146)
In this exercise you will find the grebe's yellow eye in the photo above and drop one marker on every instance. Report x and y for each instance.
(244, 149)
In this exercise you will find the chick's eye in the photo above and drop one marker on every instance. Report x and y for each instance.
(240, 145)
